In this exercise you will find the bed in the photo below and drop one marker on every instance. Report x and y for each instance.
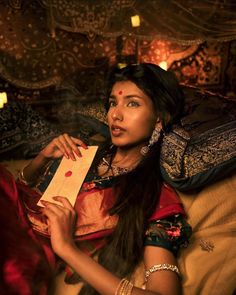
(198, 159)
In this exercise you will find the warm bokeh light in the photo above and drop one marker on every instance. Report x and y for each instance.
(121, 65)
(3, 99)
(163, 65)
(135, 20)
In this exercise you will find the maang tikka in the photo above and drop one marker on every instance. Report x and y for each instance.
(154, 138)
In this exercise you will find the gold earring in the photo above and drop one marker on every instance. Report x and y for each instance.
(153, 139)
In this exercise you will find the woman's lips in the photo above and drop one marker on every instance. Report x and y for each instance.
(116, 130)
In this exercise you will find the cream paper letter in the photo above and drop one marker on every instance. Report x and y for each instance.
(69, 177)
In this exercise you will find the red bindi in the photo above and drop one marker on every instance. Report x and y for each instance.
(120, 92)
(68, 173)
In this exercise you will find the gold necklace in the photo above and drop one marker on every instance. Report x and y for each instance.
(116, 170)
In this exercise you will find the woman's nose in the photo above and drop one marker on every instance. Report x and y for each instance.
(117, 113)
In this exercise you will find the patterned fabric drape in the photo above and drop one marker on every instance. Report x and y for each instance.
(184, 21)
(71, 44)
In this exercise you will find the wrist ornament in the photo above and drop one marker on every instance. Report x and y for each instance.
(21, 178)
(159, 267)
(125, 287)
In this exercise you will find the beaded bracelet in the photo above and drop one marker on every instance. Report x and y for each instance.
(164, 266)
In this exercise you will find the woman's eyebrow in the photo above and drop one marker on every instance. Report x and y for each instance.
(133, 95)
(127, 96)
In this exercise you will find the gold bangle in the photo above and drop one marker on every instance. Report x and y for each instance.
(124, 288)
(21, 176)
(164, 266)
(22, 179)
(129, 289)
(119, 286)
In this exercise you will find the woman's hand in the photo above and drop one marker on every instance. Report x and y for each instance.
(63, 145)
(61, 223)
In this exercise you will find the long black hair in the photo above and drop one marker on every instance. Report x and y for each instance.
(138, 192)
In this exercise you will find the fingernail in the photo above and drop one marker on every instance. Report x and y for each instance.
(79, 154)
(43, 202)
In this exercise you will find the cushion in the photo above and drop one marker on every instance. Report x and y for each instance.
(202, 148)
(23, 132)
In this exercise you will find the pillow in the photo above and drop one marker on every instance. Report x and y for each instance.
(23, 132)
(202, 148)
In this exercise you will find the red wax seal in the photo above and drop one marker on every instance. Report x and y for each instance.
(68, 173)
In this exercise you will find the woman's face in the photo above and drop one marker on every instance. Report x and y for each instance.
(131, 115)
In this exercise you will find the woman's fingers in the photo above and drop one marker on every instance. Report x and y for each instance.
(73, 148)
(71, 145)
(52, 208)
(64, 214)
(59, 143)
(63, 140)
(79, 142)
(65, 202)
(65, 145)
(65, 208)
(61, 223)
(49, 211)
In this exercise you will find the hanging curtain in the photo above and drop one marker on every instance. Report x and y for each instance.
(185, 21)
(46, 42)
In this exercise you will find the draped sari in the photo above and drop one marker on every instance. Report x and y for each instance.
(94, 224)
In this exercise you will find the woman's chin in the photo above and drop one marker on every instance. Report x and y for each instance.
(127, 145)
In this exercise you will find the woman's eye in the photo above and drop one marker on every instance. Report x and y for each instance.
(133, 104)
(112, 103)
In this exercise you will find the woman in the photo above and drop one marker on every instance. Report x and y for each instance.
(142, 220)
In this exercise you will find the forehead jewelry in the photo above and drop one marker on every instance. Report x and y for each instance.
(120, 92)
